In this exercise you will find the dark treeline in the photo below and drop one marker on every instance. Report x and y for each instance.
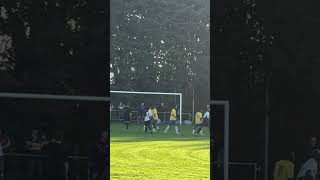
(250, 41)
(161, 46)
(54, 47)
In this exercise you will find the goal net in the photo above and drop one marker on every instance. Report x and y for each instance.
(119, 99)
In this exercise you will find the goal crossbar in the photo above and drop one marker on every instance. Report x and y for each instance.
(226, 106)
(155, 93)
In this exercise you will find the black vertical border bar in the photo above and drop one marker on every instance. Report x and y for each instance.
(107, 90)
(212, 141)
(211, 90)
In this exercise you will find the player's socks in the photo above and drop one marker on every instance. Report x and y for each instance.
(193, 131)
(177, 131)
(201, 132)
(165, 131)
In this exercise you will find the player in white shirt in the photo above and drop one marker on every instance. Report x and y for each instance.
(310, 168)
(147, 121)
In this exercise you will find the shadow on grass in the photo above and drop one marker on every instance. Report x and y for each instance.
(149, 138)
(136, 134)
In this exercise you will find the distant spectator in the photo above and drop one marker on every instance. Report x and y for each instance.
(76, 170)
(161, 105)
(120, 108)
(127, 116)
(162, 109)
(58, 165)
(44, 141)
(34, 147)
(141, 113)
(4, 143)
(99, 158)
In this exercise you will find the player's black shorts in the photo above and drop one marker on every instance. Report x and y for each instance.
(172, 123)
(147, 123)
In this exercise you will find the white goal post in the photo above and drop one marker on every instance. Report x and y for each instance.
(154, 93)
(226, 106)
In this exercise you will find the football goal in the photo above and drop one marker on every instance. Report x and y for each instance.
(155, 93)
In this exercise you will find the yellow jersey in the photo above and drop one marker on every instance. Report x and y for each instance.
(198, 117)
(173, 115)
(283, 170)
(155, 114)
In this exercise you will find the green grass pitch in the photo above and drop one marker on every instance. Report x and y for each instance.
(136, 155)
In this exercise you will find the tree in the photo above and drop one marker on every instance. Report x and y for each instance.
(156, 44)
(54, 47)
(51, 44)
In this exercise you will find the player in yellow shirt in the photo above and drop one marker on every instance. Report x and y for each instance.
(197, 121)
(173, 121)
(284, 169)
(156, 120)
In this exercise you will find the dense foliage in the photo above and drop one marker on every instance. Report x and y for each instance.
(161, 46)
(53, 47)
